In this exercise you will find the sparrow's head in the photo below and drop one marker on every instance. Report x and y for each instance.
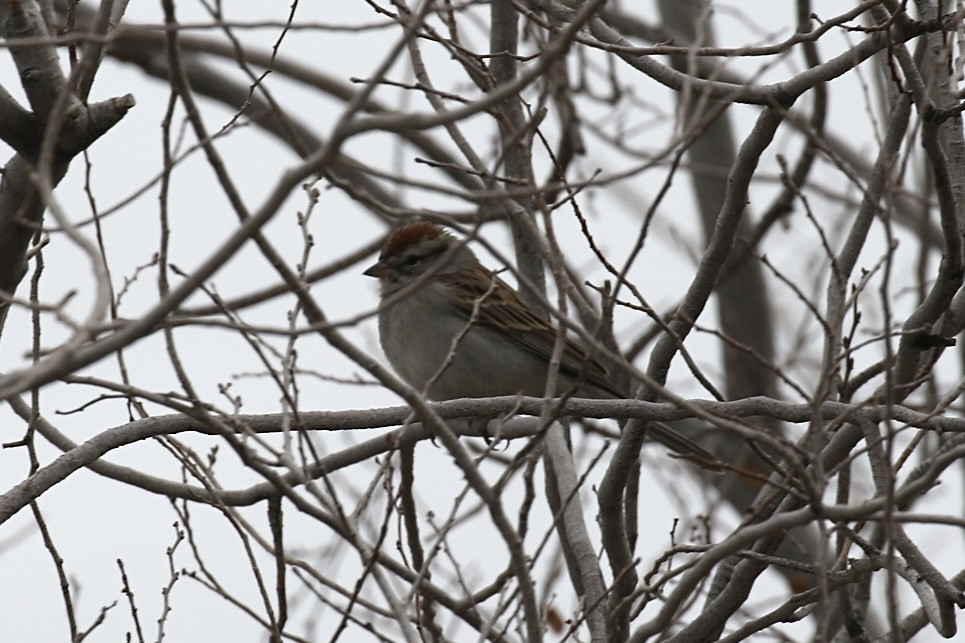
(419, 249)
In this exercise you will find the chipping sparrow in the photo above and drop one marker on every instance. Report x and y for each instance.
(435, 293)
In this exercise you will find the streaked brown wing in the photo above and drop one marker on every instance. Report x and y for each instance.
(500, 307)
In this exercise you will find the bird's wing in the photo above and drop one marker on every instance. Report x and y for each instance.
(496, 305)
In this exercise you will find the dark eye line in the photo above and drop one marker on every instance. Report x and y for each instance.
(412, 260)
(435, 252)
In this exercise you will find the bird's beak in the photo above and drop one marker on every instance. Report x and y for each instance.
(378, 270)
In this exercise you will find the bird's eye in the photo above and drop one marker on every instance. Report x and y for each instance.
(411, 260)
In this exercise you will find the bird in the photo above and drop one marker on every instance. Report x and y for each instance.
(453, 329)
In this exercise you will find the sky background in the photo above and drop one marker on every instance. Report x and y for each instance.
(96, 521)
